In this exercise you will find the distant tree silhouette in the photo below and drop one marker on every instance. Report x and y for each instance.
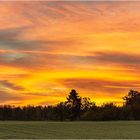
(76, 108)
(62, 111)
(132, 101)
(74, 104)
(133, 98)
(109, 111)
(87, 104)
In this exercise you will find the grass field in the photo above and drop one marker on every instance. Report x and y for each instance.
(70, 130)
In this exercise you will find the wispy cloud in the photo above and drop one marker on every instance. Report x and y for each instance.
(91, 46)
(10, 85)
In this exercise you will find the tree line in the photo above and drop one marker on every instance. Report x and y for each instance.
(76, 108)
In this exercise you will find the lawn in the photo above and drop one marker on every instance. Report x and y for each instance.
(70, 130)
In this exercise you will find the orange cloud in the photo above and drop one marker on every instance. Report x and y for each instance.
(47, 48)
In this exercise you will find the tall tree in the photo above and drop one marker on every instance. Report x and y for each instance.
(133, 98)
(74, 103)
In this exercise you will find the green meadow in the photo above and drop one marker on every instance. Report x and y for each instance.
(70, 130)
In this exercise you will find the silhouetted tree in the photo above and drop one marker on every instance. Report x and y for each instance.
(87, 104)
(109, 112)
(62, 111)
(76, 108)
(74, 104)
(133, 98)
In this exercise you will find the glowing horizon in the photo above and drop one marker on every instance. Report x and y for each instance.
(49, 48)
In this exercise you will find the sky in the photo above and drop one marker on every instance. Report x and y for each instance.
(48, 48)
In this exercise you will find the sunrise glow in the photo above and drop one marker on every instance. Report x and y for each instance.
(49, 48)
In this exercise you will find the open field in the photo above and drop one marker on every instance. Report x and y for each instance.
(63, 130)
